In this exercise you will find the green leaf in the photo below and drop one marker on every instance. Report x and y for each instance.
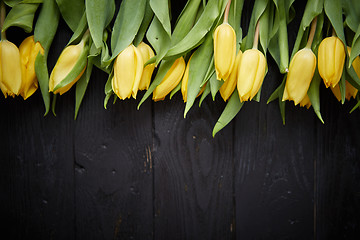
(198, 32)
(313, 8)
(351, 76)
(148, 15)
(352, 13)
(49, 16)
(158, 38)
(127, 24)
(197, 71)
(108, 89)
(42, 75)
(314, 95)
(204, 94)
(342, 86)
(355, 46)
(71, 11)
(81, 87)
(79, 31)
(165, 65)
(232, 108)
(161, 11)
(235, 13)
(215, 85)
(333, 10)
(175, 90)
(77, 69)
(99, 14)
(21, 15)
(185, 21)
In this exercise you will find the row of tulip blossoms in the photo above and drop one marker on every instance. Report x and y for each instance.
(205, 53)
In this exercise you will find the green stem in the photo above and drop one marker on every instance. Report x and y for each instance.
(256, 36)
(2, 19)
(227, 9)
(312, 33)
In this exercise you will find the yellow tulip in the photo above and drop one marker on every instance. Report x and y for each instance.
(128, 68)
(350, 91)
(185, 80)
(10, 69)
(146, 53)
(224, 50)
(65, 63)
(28, 52)
(301, 71)
(171, 80)
(331, 59)
(251, 73)
(305, 102)
(229, 85)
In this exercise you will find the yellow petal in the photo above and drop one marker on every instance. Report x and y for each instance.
(251, 74)
(224, 50)
(331, 59)
(10, 68)
(185, 80)
(171, 80)
(66, 62)
(146, 53)
(301, 72)
(229, 85)
(305, 102)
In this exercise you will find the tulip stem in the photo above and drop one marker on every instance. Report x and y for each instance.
(256, 36)
(227, 9)
(2, 19)
(312, 33)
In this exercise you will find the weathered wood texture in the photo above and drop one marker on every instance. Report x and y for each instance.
(124, 173)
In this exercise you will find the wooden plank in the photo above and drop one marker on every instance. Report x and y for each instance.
(113, 168)
(37, 180)
(193, 172)
(338, 171)
(274, 169)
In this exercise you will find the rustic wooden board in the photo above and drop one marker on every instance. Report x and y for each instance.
(113, 168)
(193, 173)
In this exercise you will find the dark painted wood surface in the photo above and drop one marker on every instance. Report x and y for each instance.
(123, 173)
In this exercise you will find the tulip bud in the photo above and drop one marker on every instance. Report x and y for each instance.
(64, 65)
(305, 102)
(350, 91)
(128, 68)
(171, 80)
(331, 59)
(229, 85)
(146, 53)
(10, 69)
(251, 73)
(224, 50)
(301, 71)
(28, 53)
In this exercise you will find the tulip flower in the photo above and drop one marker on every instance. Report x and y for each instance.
(301, 71)
(171, 79)
(128, 68)
(305, 102)
(350, 91)
(331, 59)
(251, 73)
(224, 50)
(10, 69)
(229, 85)
(146, 53)
(64, 65)
(28, 52)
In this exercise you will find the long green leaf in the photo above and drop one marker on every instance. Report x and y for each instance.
(71, 11)
(81, 87)
(127, 24)
(99, 13)
(314, 95)
(148, 15)
(333, 10)
(21, 15)
(232, 108)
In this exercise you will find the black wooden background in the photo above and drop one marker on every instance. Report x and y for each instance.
(124, 173)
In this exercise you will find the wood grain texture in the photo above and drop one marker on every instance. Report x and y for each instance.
(193, 173)
(113, 169)
(338, 171)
